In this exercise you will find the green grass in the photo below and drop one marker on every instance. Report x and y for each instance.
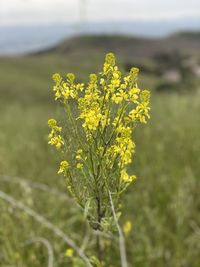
(163, 204)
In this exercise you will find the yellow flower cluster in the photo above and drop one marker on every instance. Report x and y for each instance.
(124, 145)
(127, 178)
(64, 166)
(66, 89)
(89, 106)
(98, 144)
(109, 107)
(141, 112)
(55, 139)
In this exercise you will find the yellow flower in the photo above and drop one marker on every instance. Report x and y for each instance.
(70, 77)
(134, 75)
(64, 166)
(92, 118)
(127, 227)
(56, 141)
(56, 77)
(117, 98)
(127, 178)
(133, 94)
(69, 253)
(79, 153)
(110, 59)
(79, 165)
(52, 123)
(80, 86)
(57, 95)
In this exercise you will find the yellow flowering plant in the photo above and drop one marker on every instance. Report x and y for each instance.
(96, 139)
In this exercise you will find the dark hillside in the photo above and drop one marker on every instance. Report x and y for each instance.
(126, 46)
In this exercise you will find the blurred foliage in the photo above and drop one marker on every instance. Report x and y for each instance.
(163, 204)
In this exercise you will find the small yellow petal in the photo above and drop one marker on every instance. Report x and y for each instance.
(69, 253)
(127, 227)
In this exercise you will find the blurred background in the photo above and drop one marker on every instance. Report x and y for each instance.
(162, 38)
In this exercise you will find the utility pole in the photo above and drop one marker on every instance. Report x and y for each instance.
(82, 14)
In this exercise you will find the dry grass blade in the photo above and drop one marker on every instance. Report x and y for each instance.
(40, 186)
(47, 244)
(121, 236)
(57, 231)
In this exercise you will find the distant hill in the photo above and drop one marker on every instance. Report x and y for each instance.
(126, 46)
(19, 39)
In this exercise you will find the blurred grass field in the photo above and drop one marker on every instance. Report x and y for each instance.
(164, 202)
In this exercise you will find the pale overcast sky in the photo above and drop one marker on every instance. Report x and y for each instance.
(50, 11)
